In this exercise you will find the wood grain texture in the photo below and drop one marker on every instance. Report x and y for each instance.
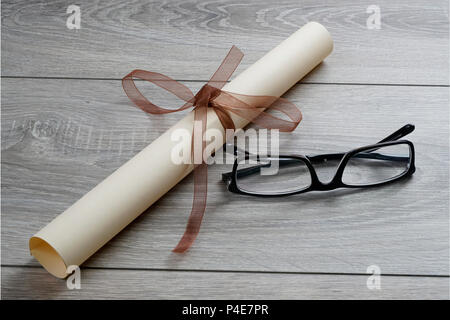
(187, 39)
(35, 283)
(61, 138)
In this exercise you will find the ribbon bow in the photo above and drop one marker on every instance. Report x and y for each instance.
(210, 95)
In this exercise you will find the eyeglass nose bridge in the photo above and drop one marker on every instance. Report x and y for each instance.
(335, 181)
(325, 186)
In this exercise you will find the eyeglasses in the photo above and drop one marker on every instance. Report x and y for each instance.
(384, 162)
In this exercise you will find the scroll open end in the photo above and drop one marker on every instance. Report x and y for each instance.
(48, 257)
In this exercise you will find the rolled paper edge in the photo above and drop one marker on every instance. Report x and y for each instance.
(48, 257)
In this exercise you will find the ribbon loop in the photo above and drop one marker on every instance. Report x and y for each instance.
(223, 103)
(163, 81)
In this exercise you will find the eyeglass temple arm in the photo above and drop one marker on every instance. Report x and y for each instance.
(235, 149)
(400, 133)
(403, 131)
(255, 169)
(228, 175)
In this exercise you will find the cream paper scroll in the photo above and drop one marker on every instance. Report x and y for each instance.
(76, 234)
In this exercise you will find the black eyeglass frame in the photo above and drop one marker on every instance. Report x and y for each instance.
(336, 182)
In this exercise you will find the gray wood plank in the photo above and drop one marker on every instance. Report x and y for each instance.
(188, 39)
(61, 138)
(35, 283)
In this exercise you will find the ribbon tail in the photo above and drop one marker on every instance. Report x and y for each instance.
(198, 209)
(226, 68)
(255, 110)
(200, 181)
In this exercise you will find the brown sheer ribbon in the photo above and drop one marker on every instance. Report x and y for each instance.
(222, 102)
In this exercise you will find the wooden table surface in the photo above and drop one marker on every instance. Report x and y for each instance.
(67, 124)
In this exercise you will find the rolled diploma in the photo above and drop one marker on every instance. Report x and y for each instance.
(73, 236)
